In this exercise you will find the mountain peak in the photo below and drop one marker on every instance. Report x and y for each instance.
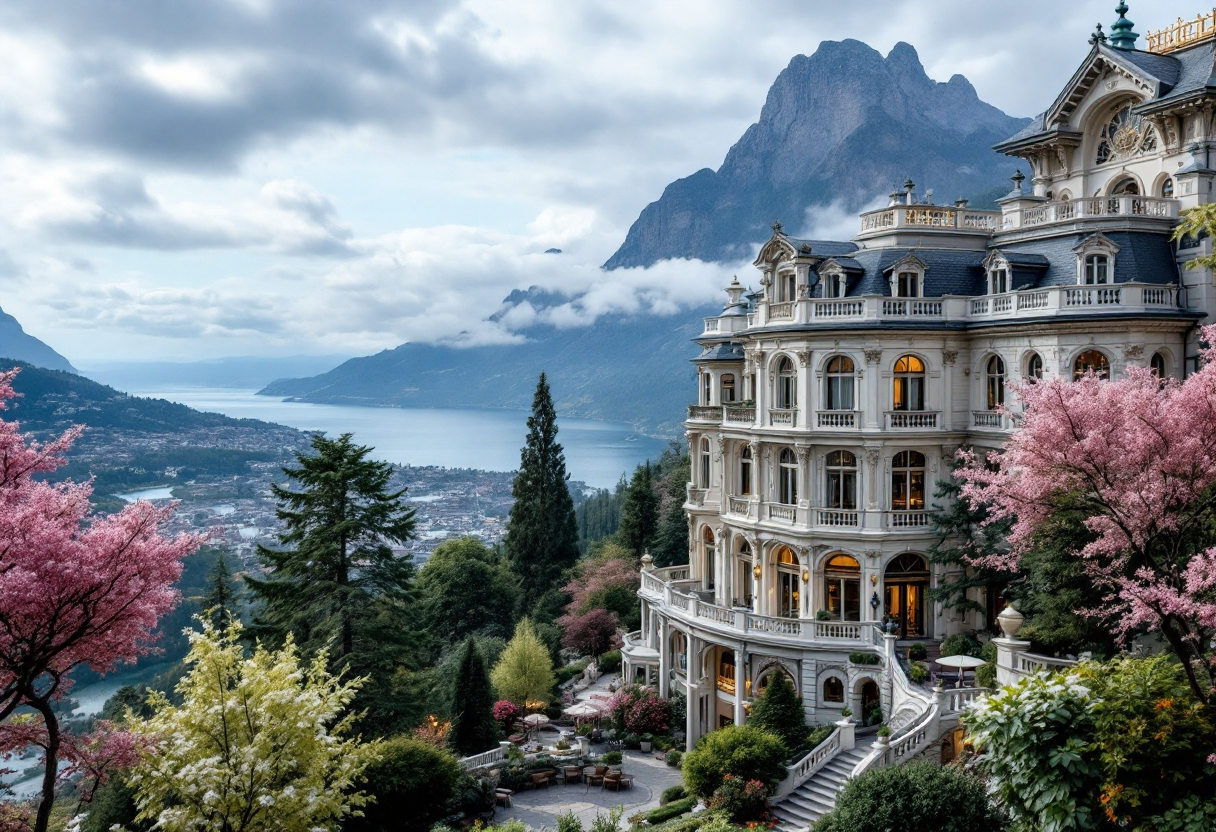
(16, 343)
(837, 128)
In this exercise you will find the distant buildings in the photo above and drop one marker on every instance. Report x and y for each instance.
(830, 401)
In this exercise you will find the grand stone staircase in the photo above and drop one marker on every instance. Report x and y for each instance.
(816, 797)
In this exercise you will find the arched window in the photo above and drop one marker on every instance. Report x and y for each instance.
(833, 689)
(909, 388)
(743, 574)
(704, 483)
(1096, 270)
(1034, 367)
(995, 382)
(768, 678)
(788, 479)
(841, 481)
(787, 384)
(839, 393)
(1127, 186)
(908, 481)
(842, 588)
(745, 471)
(1089, 360)
(709, 545)
(788, 573)
(1158, 365)
(679, 651)
(1167, 188)
(726, 671)
(728, 388)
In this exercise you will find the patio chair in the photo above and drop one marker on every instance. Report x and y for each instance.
(572, 774)
(502, 797)
(595, 778)
(542, 778)
(613, 781)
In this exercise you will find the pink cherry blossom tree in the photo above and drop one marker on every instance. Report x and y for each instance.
(75, 589)
(592, 634)
(1137, 457)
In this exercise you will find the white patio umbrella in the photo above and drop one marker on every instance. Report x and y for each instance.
(962, 663)
(582, 709)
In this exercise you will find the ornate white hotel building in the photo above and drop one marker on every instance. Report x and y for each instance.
(830, 401)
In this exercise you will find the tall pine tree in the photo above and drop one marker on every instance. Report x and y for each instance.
(542, 532)
(640, 515)
(335, 572)
(473, 728)
(222, 598)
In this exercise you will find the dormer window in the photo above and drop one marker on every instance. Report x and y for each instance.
(1097, 270)
(835, 282)
(907, 285)
(1096, 261)
(998, 281)
(787, 287)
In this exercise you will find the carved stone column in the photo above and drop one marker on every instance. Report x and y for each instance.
(875, 403)
(949, 356)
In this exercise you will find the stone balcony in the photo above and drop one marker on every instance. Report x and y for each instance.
(825, 520)
(1024, 305)
(940, 218)
(1034, 214)
(668, 589)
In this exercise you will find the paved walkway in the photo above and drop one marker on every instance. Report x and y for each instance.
(539, 808)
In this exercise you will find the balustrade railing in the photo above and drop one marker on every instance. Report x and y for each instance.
(809, 766)
(929, 216)
(955, 700)
(837, 517)
(911, 308)
(836, 418)
(988, 418)
(705, 413)
(838, 309)
(911, 419)
(485, 758)
(1028, 663)
(781, 311)
(696, 496)
(782, 417)
(786, 514)
(905, 519)
(652, 583)
(1123, 205)
(740, 415)
(1093, 296)
(1182, 34)
(776, 626)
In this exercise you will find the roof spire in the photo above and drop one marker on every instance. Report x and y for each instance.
(1122, 35)
(1098, 36)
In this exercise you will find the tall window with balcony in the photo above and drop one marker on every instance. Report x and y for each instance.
(908, 488)
(1091, 361)
(842, 588)
(728, 388)
(743, 574)
(709, 550)
(679, 651)
(787, 478)
(839, 393)
(787, 384)
(788, 569)
(841, 491)
(726, 671)
(835, 284)
(787, 289)
(908, 391)
(994, 383)
(707, 389)
(703, 463)
(745, 471)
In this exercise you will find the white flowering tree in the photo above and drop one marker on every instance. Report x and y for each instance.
(260, 743)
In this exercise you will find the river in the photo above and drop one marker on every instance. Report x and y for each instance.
(597, 453)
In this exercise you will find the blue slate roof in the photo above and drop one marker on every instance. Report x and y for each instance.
(1142, 258)
(824, 248)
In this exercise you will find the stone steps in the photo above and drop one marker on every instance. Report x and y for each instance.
(816, 797)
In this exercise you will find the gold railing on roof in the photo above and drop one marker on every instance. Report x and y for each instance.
(1183, 33)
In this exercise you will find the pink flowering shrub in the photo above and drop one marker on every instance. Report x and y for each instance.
(742, 800)
(640, 711)
(506, 713)
(1137, 456)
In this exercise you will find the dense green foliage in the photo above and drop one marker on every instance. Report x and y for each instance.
(740, 750)
(524, 672)
(473, 728)
(412, 782)
(779, 711)
(599, 513)
(1102, 747)
(672, 809)
(466, 588)
(334, 582)
(113, 805)
(918, 795)
(222, 598)
(640, 514)
(542, 532)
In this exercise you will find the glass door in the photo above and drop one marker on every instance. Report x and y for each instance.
(787, 589)
(905, 602)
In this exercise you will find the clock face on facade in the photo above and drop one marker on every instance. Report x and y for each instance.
(1125, 135)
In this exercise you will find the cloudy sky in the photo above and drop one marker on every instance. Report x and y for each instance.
(200, 178)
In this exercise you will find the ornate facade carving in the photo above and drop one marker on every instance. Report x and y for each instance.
(949, 357)
(873, 356)
(1133, 350)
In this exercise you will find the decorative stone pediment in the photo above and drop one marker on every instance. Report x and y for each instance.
(1099, 68)
(995, 260)
(777, 250)
(1096, 243)
(909, 262)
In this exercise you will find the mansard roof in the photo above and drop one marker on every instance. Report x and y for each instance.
(782, 247)
(1196, 74)
(1141, 258)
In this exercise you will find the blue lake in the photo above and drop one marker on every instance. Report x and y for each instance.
(597, 453)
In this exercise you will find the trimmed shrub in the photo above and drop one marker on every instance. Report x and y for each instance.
(918, 672)
(985, 676)
(411, 779)
(612, 758)
(672, 793)
(740, 750)
(610, 662)
(912, 796)
(961, 644)
(779, 711)
(673, 759)
(918, 652)
(860, 657)
(671, 810)
(741, 799)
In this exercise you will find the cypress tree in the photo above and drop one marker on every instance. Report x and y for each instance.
(671, 539)
(222, 596)
(640, 514)
(779, 711)
(542, 532)
(473, 729)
